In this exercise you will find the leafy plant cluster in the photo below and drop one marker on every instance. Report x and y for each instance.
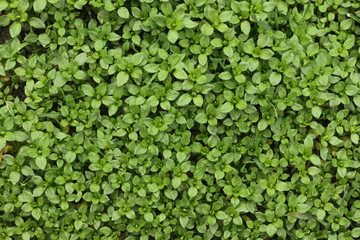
(167, 119)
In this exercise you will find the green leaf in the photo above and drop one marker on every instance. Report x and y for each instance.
(335, 141)
(15, 29)
(225, 16)
(20, 136)
(184, 221)
(207, 29)
(357, 100)
(36, 22)
(308, 142)
(99, 44)
(226, 107)
(14, 177)
(171, 194)
(262, 125)
(184, 100)
(78, 224)
(266, 54)
(149, 217)
(245, 27)
(320, 214)
(44, 39)
(225, 75)
(151, 68)
(241, 105)
(3, 5)
(139, 150)
(198, 100)
(123, 12)
(355, 232)
(316, 111)
(59, 80)
(303, 208)
(180, 74)
(271, 230)
(351, 90)
(346, 24)
(282, 186)
(173, 36)
(211, 220)
(88, 90)
(70, 156)
(176, 182)
(181, 156)
(36, 213)
(41, 162)
(342, 171)
(275, 78)
(122, 78)
(201, 118)
(39, 5)
(315, 160)
(354, 138)
(38, 191)
(188, 23)
(221, 215)
(163, 75)
(192, 192)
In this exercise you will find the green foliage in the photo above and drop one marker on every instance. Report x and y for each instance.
(167, 119)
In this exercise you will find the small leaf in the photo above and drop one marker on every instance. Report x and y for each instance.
(181, 156)
(192, 192)
(36, 22)
(184, 221)
(262, 125)
(180, 74)
(316, 111)
(308, 142)
(15, 29)
(342, 171)
(227, 107)
(176, 182)
(335, 141)
(123, 12)
(266, 54)
(88, 90)
(357, 100)
(320, 214)
(70, 156)
(221, 215)
(271, 230)
(14, 177)
(207, 29)
(184, 99)
(245, 27)
(39, 5)
(149, 217)
(59, 80)
(275, 78)
(38, 191)
(303, 208)
(188, 23)
(173, 36)
(201, 118)
(122, 78)
(41, 162)
(315, 160)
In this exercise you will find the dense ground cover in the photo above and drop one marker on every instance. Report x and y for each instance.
(193, 119)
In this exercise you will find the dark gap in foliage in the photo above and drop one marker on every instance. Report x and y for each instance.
(4, 34)
(19, 92)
